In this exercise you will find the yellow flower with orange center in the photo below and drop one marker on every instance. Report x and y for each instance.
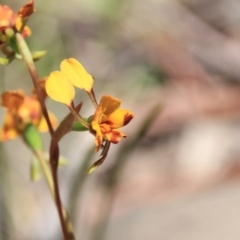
(22, 110)
(15, 21)
(108, 117)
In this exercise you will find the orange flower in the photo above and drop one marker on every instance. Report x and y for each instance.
(22, 110)
(107, 119)
(15, 21)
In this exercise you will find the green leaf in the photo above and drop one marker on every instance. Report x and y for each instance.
(5, 61)
(35, 170)
(101, 158)
(77, 126)
(37, 55)
(32, 137)
(92, 168)
(12, 42)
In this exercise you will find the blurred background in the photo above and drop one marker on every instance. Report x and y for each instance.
(176, 65)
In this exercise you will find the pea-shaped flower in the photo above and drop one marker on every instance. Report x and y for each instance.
(108, 116)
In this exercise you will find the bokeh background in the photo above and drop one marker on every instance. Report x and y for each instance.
(176, 65)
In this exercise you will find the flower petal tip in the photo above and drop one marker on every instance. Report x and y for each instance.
(127, 118)
(77, 74)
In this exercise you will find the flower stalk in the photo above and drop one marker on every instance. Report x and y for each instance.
(49, 179)
(27, 58)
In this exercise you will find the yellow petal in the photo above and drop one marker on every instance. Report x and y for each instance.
(59, 88)
(26, 32)
(77, 74)
(10, 134)
(109, 104)
(43, 127)
(119, 118)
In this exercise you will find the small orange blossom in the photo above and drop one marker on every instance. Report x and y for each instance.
(15, 21)
(22, 110)
(107, 118)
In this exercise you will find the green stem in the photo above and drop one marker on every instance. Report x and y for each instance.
(46, 171)
(77, 116)
(27, 57)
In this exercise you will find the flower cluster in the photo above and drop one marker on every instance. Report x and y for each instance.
(15, 21)
(108, 116)
(12, 24)
(26, 115)
(22, 110)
